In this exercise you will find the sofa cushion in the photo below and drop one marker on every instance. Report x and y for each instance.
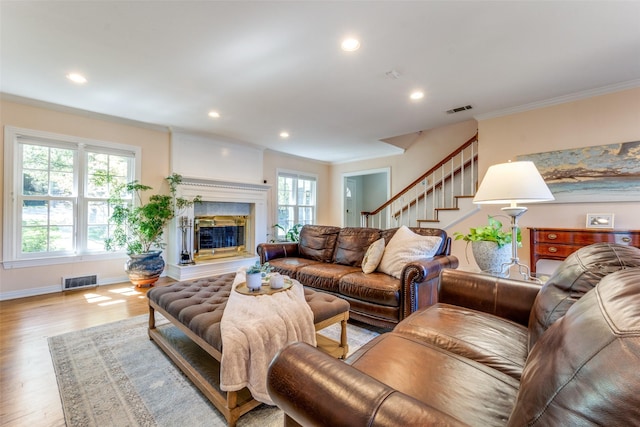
(404, 247)
(435, 232)
(485, 338)
(324, 276)
(584, 369)
(378, 288)
(468, 391)
(353, 243)
(317, 242)
(373, 256)
(577, 275)
(289, 266)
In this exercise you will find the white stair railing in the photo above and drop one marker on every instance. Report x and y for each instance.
(439, 188)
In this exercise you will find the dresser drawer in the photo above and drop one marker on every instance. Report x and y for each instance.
(559, 243)
(551, 251)
(586, 238)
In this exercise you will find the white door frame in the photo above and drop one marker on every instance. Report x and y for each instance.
(346, 175)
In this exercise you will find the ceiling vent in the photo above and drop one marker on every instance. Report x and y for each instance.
(392, 74)
(459, 109)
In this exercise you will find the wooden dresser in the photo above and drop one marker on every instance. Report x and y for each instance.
(559, 243)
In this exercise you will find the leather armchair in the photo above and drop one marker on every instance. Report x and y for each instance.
(491, 352)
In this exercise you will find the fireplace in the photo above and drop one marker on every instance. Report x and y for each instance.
(219, 236)
(223, 231)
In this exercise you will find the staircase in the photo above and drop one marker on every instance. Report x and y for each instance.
(440, 198)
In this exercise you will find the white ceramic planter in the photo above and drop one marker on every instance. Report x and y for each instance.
(490, 258)
(254, 281)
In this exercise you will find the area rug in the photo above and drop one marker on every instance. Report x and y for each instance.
(113, 375)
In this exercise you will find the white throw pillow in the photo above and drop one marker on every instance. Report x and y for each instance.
(373, 256)
(406, 246)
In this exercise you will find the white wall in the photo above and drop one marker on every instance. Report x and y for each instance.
(208, 157)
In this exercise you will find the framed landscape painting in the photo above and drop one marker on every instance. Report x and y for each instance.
(602, 173)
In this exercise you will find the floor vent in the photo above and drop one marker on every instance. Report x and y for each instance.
(70, 283)
(459, 109)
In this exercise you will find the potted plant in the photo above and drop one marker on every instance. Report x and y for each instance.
(139, 227)
(291, 235)
(255, 273)
(491, 246)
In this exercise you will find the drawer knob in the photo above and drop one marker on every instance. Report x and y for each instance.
(626, 239)
(553, 249)
(552, 236)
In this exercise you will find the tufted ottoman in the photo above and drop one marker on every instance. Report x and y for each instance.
(195, 309)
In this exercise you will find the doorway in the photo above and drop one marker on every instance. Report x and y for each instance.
(363, 191)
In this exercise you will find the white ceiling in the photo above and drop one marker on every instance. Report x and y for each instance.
(269, 66)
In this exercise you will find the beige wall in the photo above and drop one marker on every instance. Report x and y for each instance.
(430, 147)
(606, 119)
(274, 161)
(155, 166)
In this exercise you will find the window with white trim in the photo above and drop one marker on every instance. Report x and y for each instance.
(55, 205)
(296, 201)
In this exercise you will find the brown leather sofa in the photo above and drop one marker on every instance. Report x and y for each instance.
(329, 259)
(491, 352)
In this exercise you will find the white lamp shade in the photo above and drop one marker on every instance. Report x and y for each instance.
(513, 182)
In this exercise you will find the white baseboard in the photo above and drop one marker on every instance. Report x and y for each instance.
(23, 293)
(32, 292)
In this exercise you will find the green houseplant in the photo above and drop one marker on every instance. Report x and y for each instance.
(255, 273)
(138, 227)
(491, 245)
(291, 235)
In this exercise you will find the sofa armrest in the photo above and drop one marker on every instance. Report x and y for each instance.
(315, 389)
(506, 298)
(419, 281)
(269, 251)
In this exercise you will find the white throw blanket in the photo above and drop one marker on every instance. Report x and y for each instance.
(254, 329)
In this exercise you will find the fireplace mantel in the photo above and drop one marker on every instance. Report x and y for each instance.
(202, 182)
(218, 191)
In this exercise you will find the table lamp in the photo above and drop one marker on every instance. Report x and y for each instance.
(512, 183)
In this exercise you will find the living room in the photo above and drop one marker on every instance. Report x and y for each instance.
(584, 116)
(597, 120)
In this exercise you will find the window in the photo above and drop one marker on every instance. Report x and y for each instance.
(296, 200)
(56, 204)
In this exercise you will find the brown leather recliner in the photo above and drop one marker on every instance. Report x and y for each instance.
(491, 352)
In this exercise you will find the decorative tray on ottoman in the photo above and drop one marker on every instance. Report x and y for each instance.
(265, 289)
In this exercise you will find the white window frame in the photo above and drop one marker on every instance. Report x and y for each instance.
(12, 181)
(298, 175)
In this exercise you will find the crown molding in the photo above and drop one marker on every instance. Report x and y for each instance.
(631, 84)
(77, 111)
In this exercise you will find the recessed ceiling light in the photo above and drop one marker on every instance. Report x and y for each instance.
(284, 134)
(416, 95)
(350, 44)
(77, 78)
(214, 114)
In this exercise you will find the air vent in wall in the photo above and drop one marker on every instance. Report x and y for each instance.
(69, 283)
(459, 109)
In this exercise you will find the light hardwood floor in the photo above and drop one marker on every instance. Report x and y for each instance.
(28, 388)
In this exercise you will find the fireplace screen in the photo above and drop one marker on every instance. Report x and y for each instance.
(219, 236)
